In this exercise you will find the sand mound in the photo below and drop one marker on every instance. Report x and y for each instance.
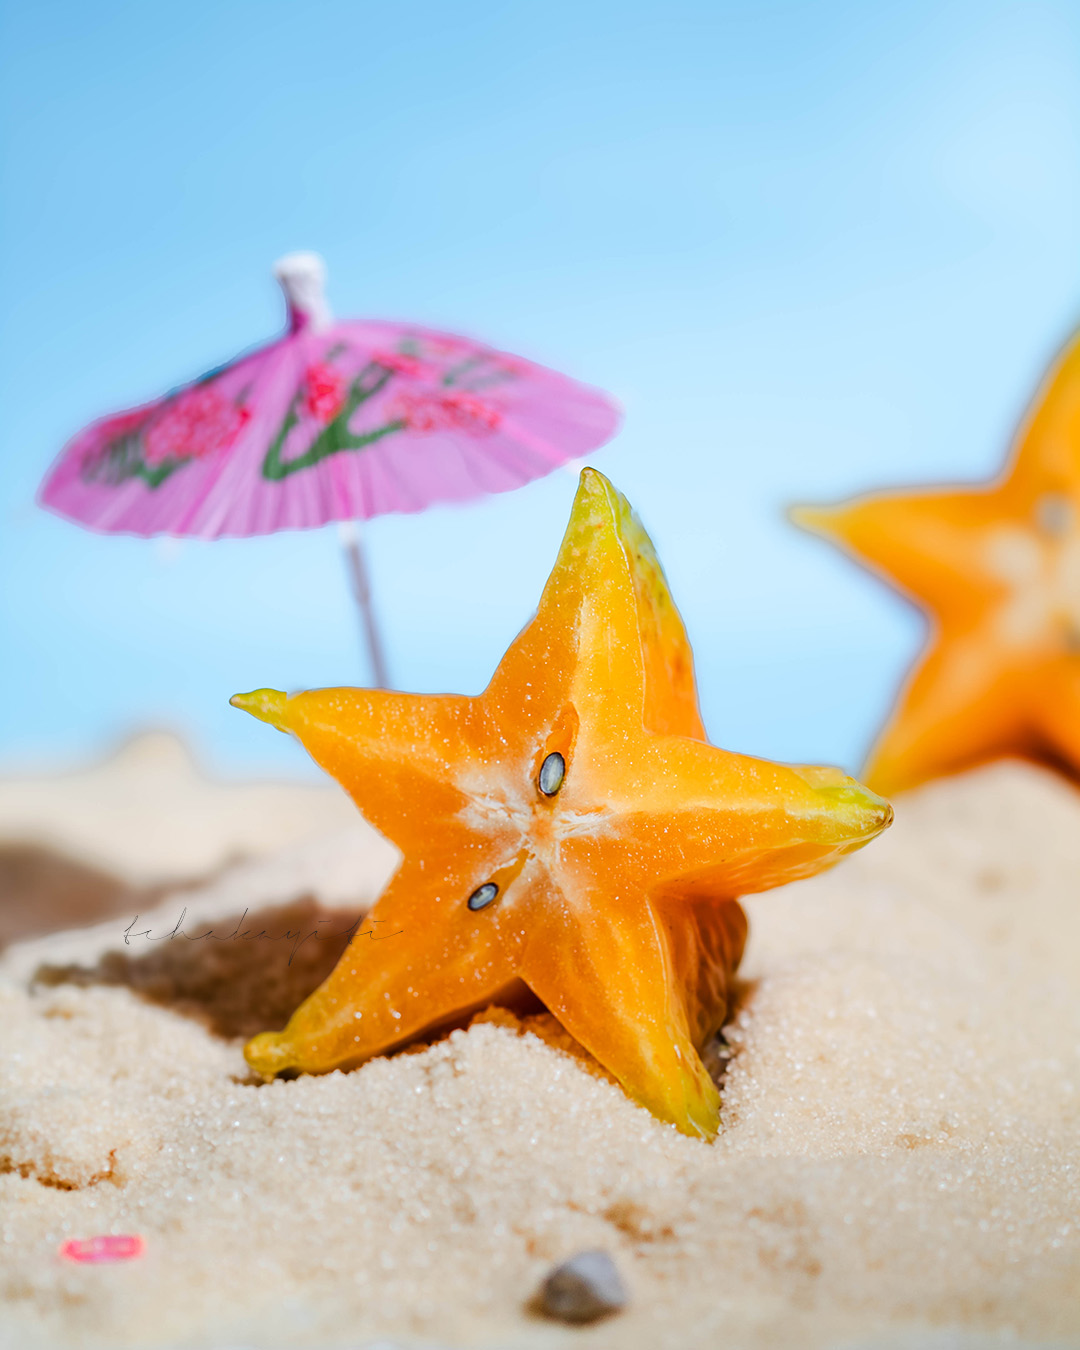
(898, 1163)
(148, 816)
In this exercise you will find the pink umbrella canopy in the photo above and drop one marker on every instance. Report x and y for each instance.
(333, 421)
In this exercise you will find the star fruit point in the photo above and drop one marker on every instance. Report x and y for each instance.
(268, 705)
(568, 837)
(820, 520)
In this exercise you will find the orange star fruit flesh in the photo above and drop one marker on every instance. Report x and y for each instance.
(996, 568)
(569, 831)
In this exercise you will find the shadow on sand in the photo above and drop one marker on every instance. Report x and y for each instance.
(247, 975)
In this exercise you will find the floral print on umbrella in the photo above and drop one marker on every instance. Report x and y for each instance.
(324, 391)
(440, 381)
(457, 410)
(194, 424)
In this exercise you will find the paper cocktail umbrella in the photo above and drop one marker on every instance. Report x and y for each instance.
(996, 568)
(335, 421)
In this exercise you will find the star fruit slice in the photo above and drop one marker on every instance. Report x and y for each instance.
(569, 830)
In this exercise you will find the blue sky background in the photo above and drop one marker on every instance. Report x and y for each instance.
(812, 248)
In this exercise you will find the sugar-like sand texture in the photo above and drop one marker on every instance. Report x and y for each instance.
(898, 1165)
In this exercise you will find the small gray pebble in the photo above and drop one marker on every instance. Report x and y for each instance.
(582, 1289)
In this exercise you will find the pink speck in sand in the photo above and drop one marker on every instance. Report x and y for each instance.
(103, 1249)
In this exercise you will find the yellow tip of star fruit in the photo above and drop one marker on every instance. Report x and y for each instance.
(860, 814)
(267, 1054)
(569, 833)
(268, 705)
(814, 519)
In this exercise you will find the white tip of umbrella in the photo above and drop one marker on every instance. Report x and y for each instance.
(303, 279)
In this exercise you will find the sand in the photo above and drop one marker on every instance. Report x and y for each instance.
(899, 1161)
(111, 837)
(149, 815)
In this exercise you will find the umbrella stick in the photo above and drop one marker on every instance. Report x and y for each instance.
(360, 584)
